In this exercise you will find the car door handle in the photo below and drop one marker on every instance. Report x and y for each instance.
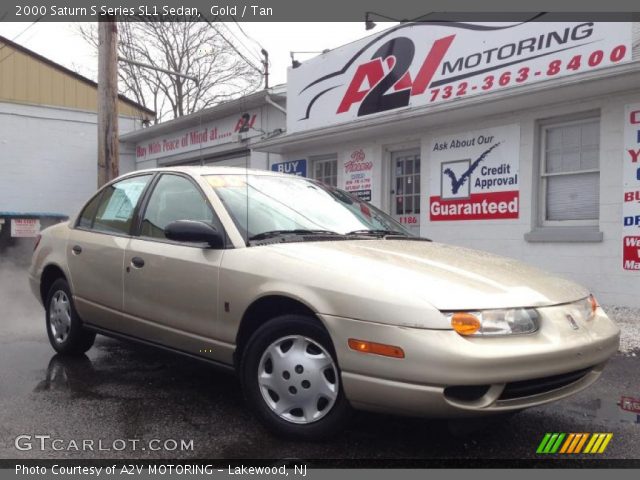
(137, 262)
(77, 249)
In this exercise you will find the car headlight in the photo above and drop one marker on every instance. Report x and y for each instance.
(512, 321)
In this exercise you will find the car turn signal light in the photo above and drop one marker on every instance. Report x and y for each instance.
(375, 348)
(594, 304)
(465, 323)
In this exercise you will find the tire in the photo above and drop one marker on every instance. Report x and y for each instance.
(300, 395)
(64, 326)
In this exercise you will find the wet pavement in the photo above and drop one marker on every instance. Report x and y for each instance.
(122, 390)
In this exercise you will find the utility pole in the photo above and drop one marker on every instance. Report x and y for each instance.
(108, 155)
(265, 64)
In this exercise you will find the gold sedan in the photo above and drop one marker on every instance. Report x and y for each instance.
(319, 301)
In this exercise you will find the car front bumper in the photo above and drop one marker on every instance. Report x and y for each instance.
(446, 375)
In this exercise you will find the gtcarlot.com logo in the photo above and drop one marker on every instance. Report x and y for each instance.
(574, 443)
(49, 443)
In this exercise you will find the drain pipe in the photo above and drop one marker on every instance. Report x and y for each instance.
(268, 99)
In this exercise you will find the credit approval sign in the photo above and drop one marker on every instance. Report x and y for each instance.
(416, 64)
(474, 175)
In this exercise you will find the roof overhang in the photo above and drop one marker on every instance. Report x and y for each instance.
(221, 110)
(620, 78)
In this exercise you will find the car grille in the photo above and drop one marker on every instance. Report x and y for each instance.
(536, 386)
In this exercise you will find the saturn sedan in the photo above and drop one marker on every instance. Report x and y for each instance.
(319, 301)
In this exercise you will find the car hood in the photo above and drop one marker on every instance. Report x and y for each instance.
(445, 276)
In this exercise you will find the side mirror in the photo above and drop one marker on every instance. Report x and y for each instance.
(193, 231)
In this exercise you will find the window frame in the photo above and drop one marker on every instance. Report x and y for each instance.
(141, 212)
(542, 176)
(100, 194)
(317, 159)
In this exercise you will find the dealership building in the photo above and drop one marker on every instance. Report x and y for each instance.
(518, 139)
(222, 135)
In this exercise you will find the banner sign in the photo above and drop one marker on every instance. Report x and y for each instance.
(226, 130)
(358, 174)
(631, 188)
(293, 167)
(418, 64)
(474, 175)
(25, 227)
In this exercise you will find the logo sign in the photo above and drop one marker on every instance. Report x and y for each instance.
(574, 443)
(293, 167)
(418, 64)
(631, 253)
(25, 227)
(211, 134)
(476, 175)
(358, 174)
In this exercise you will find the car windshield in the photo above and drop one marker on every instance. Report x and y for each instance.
(264, 205)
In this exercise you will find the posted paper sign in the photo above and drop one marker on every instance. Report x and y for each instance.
(358, 174)
(474, 175)
(25, 227)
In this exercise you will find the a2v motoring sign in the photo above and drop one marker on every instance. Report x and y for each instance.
(474, 175)
(418, 64)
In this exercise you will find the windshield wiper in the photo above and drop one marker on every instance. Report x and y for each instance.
(377, 232)
(276, 233)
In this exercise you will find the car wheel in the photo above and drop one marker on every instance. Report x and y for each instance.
(64, 327)
(291, 378)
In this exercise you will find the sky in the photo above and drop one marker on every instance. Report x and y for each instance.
(61, 42)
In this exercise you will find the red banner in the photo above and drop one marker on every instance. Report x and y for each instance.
(479, 206)
(631, 253)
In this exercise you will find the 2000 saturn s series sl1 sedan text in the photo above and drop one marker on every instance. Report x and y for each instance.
(320, 301)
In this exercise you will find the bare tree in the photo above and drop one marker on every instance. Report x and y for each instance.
(191, 47)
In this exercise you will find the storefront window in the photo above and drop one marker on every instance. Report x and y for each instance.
(571, 172)
(325, 169)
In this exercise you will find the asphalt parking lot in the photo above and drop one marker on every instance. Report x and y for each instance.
(126, 391)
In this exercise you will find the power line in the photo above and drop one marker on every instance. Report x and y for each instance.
(234, 48)
(245, 34)
(28, 27)
(255, 55)
(14, 39)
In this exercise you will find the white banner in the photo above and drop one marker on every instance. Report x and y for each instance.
(416, 64)
(226, 130)
(631, 189)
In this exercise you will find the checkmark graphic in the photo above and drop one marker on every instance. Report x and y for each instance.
(456, 182)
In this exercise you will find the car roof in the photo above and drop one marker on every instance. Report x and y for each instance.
(210, 170)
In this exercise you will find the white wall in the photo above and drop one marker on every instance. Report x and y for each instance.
(597, 265)
(48, 158)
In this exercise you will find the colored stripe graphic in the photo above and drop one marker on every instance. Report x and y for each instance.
(574, 443)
